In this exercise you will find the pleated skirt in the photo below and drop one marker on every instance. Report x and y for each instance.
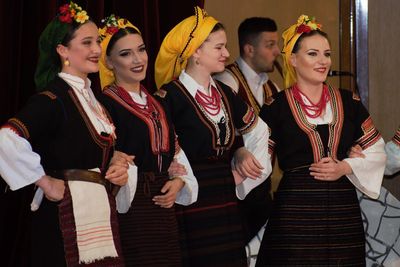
(211, 229)
(313, 223)
(149, 233)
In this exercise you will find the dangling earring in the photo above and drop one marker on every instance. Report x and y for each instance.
(66, 62)
(197, 61)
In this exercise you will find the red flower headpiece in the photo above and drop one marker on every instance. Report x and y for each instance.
(306, 24)
(70, 12)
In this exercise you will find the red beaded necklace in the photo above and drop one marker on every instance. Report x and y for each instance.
(211, 104)
(147, 108)
(317, 108)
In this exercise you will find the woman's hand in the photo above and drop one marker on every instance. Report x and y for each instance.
(52, 188)
(170, 190)
(176, 169)
(246, 165)
(238, 179)
(117, 172)
(122, 159)
(356, 152)
(329, 169)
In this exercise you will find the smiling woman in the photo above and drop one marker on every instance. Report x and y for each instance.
(206, 114)
(62, 141)
(149, 232)
(316, 218)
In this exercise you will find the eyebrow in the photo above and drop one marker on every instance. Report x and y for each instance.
(124, 50)
(88, 38)
(128, 49)
(316, 50)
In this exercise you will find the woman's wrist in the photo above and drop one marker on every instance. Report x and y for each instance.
(43, 183)
(179, 178)
(346, 168)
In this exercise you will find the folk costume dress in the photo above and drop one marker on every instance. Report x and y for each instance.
(211, 229)
(149, 233)
(64, 128)
(313, 222)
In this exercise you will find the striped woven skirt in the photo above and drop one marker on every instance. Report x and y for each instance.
(211, 229)
(149, 233)
(313, 223)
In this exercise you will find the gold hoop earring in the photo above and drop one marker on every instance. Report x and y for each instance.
(66, 62)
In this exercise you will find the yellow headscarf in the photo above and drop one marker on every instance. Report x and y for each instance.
(180, 43)
(111, 25)
(290, 36)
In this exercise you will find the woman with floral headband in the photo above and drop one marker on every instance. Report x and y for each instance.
(149, 231)
(316, 219)
(63, 133)
(206, 115)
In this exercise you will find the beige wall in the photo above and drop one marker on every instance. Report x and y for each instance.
(232, 12)
(384, 56)
(384, 82)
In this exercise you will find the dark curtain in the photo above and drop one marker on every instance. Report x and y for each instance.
(22, 21)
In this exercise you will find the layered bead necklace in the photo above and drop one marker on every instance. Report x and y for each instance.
(311, 110)
(148, 109)
(212, 103)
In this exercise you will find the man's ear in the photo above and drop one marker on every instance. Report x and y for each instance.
(248, 50)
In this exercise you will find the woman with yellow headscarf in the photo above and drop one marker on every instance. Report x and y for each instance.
(316, 219)
(149, 231)
(206, 114)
